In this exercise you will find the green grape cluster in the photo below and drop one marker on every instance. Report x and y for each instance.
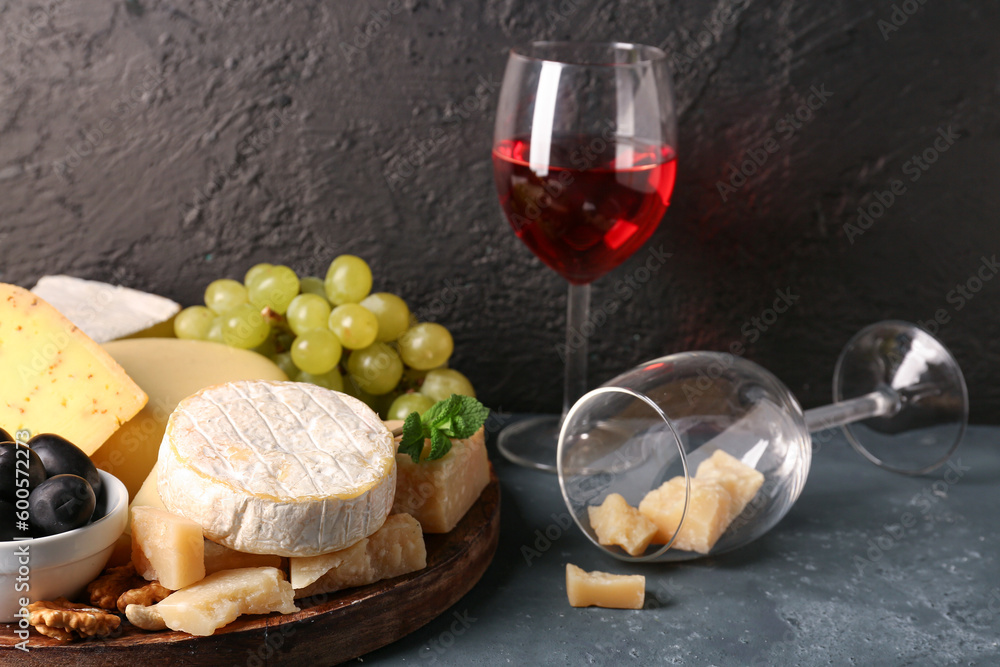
(332, 332)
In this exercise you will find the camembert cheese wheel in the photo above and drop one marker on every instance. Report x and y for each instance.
(283, 468)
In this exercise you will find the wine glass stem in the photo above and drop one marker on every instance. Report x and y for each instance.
(577, 330)
(883, 401)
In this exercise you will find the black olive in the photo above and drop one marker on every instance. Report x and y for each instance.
(61, 503)
(17, 464)
(62, 457)
(5, 436)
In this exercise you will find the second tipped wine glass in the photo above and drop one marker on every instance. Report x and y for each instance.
(584, 162)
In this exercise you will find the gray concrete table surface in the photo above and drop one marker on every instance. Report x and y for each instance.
(868, 568)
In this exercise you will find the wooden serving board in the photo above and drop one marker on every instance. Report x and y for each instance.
(328, 630)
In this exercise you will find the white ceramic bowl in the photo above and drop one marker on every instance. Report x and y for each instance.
(61, 565)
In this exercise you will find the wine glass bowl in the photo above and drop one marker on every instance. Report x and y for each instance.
(665, 417)
(899, 395)
(584, 163)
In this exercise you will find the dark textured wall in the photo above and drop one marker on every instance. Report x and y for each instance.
(164, 144)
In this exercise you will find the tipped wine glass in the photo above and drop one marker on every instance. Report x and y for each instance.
(584, 162)
(898, 393)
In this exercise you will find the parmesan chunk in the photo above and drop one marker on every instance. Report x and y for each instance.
(219, 557)
(397, 548)
(218, 599)
(439, 493)
(617, 522)
(600, 589)
(740, 480)
(167, 548)
(706, 519)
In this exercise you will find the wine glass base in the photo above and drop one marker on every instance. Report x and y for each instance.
(532, 442)
(933, 403)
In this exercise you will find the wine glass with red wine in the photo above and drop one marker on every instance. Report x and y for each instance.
(584, 162)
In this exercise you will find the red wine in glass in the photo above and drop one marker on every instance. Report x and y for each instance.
(584, 163)
(595, 204)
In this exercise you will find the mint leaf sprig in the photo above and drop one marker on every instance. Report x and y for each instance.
(456, 417)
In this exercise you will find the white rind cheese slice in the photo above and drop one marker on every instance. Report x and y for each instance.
(283, 468)
(102, 311)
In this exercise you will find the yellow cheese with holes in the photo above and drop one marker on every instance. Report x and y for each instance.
(395, 549)
(438, 493)
(220, 598)
(167, 548)
(738, 479)
(168, 370)
(601, 589)
(616, 522)
(55, 378)
(706, 519)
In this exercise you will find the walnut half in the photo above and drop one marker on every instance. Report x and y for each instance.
(149, 594)
(66, 621)
(112, 584)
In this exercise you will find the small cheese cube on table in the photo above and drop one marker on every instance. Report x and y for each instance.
(601, 589)
(705, 521)
(395, 549)
(167, 548)
(616, 522)
(218, 599)
(738, 479)
(438, 493)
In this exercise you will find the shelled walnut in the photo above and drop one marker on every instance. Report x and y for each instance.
(105, 591)
(65, 621)
(147, 595)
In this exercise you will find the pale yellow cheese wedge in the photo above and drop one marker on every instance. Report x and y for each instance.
(55, 378)
(740, 480)
(601, 589)
(167, 548)
(147, 496)
(219, 557)
(168, 370)
(218, 599)
(439, 493)
(706, 519)
(616, 522)
(395, 549)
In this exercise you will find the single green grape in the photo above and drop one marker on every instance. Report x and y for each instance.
(244, 327)
(348, 280)
(215, 331)
(274, 288)
(316, 351)
(255, 273)
(283, 360)
(407, 403)
(307, 312)
(331, 380)
(221, 296)
(376, 368)
(425, 346)
(392, 313)
(312, 285)
(193, 323)
(443, 382)
(355, 325)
